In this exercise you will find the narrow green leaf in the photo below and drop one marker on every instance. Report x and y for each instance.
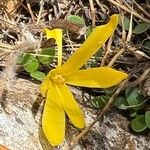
(99, 101)
(140, 28)
(38, 75)
(138, 123)
(147, 118)
(76, 19)
(48, 55)
(31, 64)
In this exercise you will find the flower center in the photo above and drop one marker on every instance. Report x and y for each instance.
(58, 79)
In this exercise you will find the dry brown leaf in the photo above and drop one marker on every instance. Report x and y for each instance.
(11, 6)
(3, 147)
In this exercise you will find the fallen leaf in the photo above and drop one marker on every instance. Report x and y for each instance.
(3, 147)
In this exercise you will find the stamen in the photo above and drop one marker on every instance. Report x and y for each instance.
(58, 79)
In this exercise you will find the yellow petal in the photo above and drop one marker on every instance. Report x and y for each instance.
(70, 106)
(45, 85)
(53, 119)
(102, 77)
(57, 35)
(91, 45)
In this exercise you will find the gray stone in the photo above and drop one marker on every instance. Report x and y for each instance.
(20, 124)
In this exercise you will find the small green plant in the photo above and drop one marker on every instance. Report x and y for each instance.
(76, 20)
(131, 101)
(31, 62)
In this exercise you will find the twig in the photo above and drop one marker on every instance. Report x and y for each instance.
(139, 80)
(129, 11)
(7, 22)
(138, 6)
(69, 11)
(101, 6)
(40, 11)
(20, 3)
(109, 43)
(39, 44)
(71, 45)
(92, 12)
(123, 28)
(142, 54)
(31, 12)
(136, 52)
(126, 4)
(115, 57)
(130, 26)
(3, 55)
(104, 58)
(107, 51)
(7, 46)
(99, 117)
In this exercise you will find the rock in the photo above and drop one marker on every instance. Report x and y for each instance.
(20, 124)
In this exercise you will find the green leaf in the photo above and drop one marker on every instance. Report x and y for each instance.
(126, 23)
(147, 118)
(38, 75)
(31, 64)
(76, 19)
(134, 107)
(121, 103)
(48, 55)
(138, 123)
(88, 31)
(132, 96)
(23, 59)
(140, 28)
(146, 44)
(99, 101)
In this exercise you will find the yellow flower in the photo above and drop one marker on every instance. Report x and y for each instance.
(59, 99)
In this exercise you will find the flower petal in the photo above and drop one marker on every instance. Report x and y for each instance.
(91, 45)
(57, 35)
(70, 106)
(44, 86)
(53, 119)
(102, 77)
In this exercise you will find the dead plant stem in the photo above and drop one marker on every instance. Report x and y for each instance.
(40, 11)
(108, 48)
(138, 6)
(31, 12)
(140, 79)
(123, 28)
(115, 57)
(129, 11)
(130, 26)
(92, 12)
